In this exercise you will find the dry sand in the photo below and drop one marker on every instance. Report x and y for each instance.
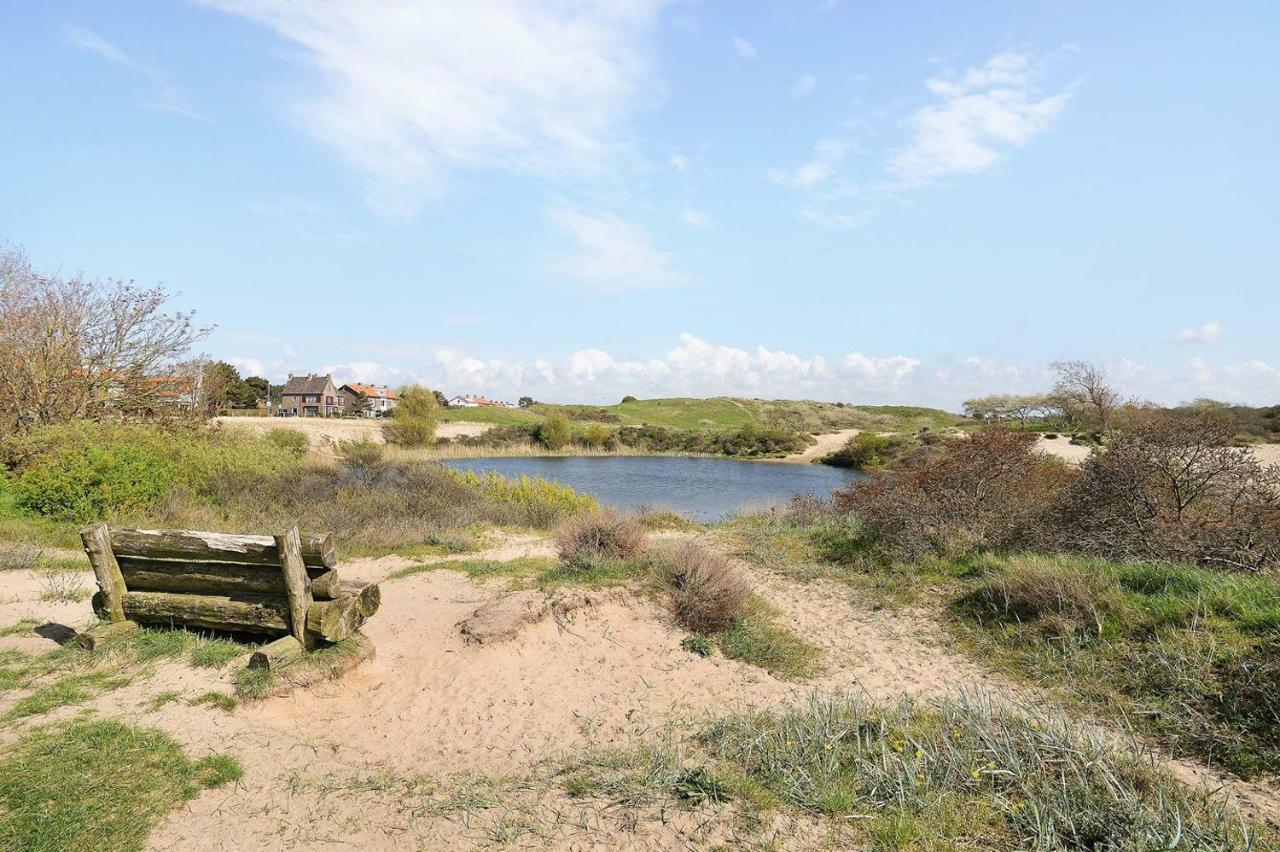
(429, 706)
(326, 432)
(825, 446)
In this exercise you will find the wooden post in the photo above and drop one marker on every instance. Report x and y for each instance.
(97, 544)
(296, 582)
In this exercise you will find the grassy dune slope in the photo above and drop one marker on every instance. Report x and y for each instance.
(727, 413)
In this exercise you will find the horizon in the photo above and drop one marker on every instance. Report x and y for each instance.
(576, 202)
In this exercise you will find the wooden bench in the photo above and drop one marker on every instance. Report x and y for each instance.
(285, 586)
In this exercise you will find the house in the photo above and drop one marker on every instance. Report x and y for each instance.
(380, 400)
(477, 401)
(310, 396)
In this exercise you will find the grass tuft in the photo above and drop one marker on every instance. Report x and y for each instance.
(97, 785)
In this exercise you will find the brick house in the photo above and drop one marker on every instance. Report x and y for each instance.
(310, 396)
(381, 400)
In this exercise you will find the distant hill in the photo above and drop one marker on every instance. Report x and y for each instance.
(728, 413)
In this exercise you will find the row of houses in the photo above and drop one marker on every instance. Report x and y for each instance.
(317, 396)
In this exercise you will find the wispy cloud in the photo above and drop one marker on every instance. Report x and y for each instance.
(828, 156)
(166, 97)
(695, 218)
(745, 48)
(310, 221)
(407, 91)
(1201, 334)
(804, 85)
(612, 254)
(977, 116)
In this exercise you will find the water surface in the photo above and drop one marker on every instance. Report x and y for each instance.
(702, 489)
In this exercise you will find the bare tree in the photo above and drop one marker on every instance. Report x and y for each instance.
(1084, 394)
(75, 347)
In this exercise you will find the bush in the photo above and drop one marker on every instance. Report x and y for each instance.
(290, 440)
(87, 471)
(989, 490)
(1174, 489)
(605, 534)
(555, 432)
(708, 592)
(413, 420)
(629, 398)
(596, 435)
(865, 449)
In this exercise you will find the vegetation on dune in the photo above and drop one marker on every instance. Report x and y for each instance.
(97, 785)
(964, 773)
(413, 421)
(606, 534)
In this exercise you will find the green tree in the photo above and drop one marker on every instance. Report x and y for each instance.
(441, 399)
(555, 431)
(413, 420)
(525, 401)
(596, 436)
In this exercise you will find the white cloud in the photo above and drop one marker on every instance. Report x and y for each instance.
(406, 90)
(979, 115)
(745, 49)
(694, 367)
(1207, 333)
(166, 97)
(679, 162)
(248, 366)
(833, 221)
(804, 85)
(828, 156)
(365, 372)
(696, 218)
(613, 254)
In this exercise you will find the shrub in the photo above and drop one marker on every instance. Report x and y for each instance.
(596, 435)
(708, 592)
(85, 471)
(605, 534)
(413, 420)
(364, 458)
(965, 495)
(628, 398)
(1051, 436)
(1063, 597)
(1175, 490)
(865, 449)
(698, 644)
(291, 440)
(555, 431)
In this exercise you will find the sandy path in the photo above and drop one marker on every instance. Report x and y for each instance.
(325, 432)
(826, 444)
(1064, 449)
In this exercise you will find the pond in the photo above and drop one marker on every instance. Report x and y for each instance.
(699, 488)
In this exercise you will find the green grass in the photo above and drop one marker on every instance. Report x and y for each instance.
(498, 416)
(758, 640)
(221, 700)
(169, 696)
(216, 653)
(963, 774)
(253, 684)
(483, 569)
(19, 628)
(67, 690)
(1187, 656)
(724, 414)
(97, 785)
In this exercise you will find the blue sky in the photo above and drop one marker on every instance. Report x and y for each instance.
(847, 200)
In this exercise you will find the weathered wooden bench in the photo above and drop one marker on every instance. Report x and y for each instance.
(284, 586)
